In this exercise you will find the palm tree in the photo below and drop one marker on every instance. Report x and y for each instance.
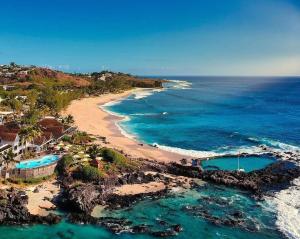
(9, 158)
(29, 133)
(69, 119)
(94, 151)
(80, 138)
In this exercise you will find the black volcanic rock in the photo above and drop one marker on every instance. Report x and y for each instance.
(13, 210)
(82, 198)
(278, 174)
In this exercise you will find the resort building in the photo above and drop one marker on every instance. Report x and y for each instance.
(56, 128)
(9, 135)
(41, 143)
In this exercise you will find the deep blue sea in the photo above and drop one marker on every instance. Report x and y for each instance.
(207, 116)
(216, 114)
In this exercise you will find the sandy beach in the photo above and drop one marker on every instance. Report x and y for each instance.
(89, 117)
(39, 201)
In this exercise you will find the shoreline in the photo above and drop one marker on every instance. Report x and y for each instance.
(89, 116)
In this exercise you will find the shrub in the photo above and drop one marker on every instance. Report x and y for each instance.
(64, 164)
(89, 173)
(29, 180)
(81, 138)
(112, 156)
(66, 138)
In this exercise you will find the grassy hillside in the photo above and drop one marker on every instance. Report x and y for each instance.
(51, 91)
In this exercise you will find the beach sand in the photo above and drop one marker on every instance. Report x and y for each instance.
(133, 189)
(38, 202)
(89, 117)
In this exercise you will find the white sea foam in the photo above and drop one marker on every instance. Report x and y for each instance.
(124, 132)
(180, 84)
(144, 114)
(142, 94)
(187, 152)
(111, 103)
(287, 204)
(210, 154)
(275, 144)
(148, 114)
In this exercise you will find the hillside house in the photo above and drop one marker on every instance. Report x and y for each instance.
(9, 135)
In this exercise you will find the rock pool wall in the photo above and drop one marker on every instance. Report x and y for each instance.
(42, 171)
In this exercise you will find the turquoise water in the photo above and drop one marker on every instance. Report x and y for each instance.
(182, 208)
(249, 163)
(203, 116)
(43, 161)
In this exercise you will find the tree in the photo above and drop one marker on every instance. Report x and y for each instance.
(69, 119)
(32, 98)
(14, 104)
(9, 158)
(32, 116)
(28, 134)
(64, 164)
(80, 138)
(94, 151)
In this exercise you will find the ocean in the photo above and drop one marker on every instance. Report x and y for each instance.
(201, 117)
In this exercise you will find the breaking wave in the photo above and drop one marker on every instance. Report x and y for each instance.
(180, 84)
(275, 144)
(287, 205)
(210, 154)
(224, 151)
(142, 94)
(148, 114)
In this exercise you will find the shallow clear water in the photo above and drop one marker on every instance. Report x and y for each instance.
(248, 163)
(43, 161)
(183, 208)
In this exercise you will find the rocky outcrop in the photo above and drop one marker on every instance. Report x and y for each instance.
(139, 177)
(278, 174)
(114, 201)
(122, 225)
(13, 210)
(81, 198)
(182, 170)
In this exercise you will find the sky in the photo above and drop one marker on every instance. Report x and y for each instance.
(154, 37)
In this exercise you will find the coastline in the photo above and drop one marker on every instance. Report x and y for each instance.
(89, 116)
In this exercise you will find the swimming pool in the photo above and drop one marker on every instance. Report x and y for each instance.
(248, 163)
(43, 161)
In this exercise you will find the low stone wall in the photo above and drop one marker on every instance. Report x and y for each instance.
(42, 171)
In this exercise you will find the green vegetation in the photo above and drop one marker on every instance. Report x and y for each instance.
(89, 173)
(51, 91)
(119, 160)
(64, 164)
(29, 133)
(91, 162)
(8, 159)
(94, 151)
(81, 138)
(29, 180)
(66, 138)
